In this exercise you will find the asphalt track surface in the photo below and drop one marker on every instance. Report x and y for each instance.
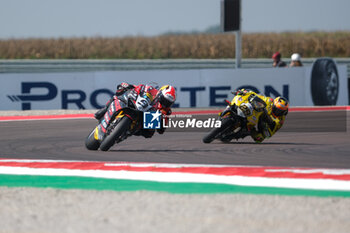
(317, 139)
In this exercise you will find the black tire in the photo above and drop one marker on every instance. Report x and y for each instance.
(110, 139)
(91, 143)
(324, 82)
(226, 140)
(225, 123)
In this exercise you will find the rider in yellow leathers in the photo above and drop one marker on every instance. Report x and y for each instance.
(272, 119)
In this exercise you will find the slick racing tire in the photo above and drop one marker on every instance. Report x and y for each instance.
(110, 139)
(225, 124)
(91, 143)
(324, 82)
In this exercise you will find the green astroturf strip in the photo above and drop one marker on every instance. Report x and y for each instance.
(74, 182)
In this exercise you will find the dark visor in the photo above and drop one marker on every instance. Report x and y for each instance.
(165, 103)
(278, 112)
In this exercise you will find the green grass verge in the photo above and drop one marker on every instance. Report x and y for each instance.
(73, 182)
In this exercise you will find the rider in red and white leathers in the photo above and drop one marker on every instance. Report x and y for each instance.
(147, 98)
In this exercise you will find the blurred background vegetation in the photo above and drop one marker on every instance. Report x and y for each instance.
(172, 45)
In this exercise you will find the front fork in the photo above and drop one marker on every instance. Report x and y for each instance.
(227, 111)
(103, 129)
(230, 111)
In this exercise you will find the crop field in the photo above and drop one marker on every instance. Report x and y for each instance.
(200, 46)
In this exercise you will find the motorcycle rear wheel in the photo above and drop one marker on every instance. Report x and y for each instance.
(110, 139)
(225, 124)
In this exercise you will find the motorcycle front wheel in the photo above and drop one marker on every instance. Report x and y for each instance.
(90, 142)
(225, 124)
(110, 139)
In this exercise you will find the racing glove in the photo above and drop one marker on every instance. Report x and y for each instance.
(166, 111)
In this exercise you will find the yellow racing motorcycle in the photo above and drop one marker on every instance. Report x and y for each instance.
(238, 119)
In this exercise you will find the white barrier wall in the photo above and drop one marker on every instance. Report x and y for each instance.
(195, 88)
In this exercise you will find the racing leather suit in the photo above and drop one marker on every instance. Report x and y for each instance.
(268, 123)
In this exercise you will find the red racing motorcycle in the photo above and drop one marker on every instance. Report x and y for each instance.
(121, 120)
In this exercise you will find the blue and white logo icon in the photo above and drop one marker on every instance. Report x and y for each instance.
(151, 120)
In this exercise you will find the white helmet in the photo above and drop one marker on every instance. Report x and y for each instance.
(296, 57)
